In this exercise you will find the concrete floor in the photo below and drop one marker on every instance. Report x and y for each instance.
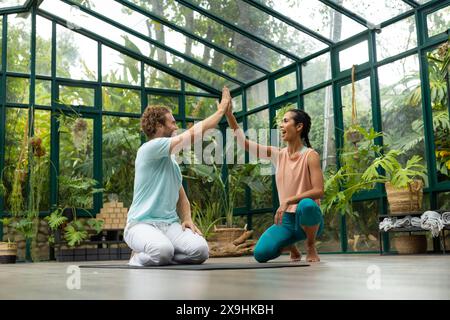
(336, 277)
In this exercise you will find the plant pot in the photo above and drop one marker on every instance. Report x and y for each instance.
(410, 244)
(407, 199)
(8, 252)
(354, 136)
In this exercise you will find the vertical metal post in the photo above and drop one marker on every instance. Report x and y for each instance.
(3, 114)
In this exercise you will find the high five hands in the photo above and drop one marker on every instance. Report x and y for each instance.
(225, 102)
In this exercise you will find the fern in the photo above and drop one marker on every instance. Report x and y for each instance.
(56, 219)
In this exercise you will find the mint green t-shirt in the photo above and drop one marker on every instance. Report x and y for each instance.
(157, 184)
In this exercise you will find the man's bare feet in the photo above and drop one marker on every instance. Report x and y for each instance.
(312, 255)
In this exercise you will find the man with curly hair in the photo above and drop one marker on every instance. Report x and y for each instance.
(159, 227)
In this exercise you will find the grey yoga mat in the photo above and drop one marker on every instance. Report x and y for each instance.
(204, 266)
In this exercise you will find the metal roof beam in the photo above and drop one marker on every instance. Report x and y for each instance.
(239, 30)
(155, 43)
(412, 3)
(131, 53)
(348, 13)
(191, 35)
(289, 21)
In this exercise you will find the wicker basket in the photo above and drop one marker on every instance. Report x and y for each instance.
(407, 199)
(410, 244)
(8, 252)
(226, 235)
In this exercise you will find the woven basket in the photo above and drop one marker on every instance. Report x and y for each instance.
(8, 252)
(410, 244)
(407, 199)
(226, 235)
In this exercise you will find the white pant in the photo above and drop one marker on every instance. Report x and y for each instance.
(160, 244)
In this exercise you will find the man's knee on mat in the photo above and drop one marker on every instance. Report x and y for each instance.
(160, 253)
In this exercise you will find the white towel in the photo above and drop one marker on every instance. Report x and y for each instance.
(416, 222)
(446, 218)
(387, 223)
(431, 220)
(403, 223)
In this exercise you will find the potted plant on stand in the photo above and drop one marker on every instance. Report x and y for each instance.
(76, 194)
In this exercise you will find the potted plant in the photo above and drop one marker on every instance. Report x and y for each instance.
(404, 184)
(76, 194)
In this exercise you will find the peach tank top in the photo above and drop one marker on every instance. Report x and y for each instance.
(292, 175)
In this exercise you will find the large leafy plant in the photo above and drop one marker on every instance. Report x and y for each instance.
(363, 165)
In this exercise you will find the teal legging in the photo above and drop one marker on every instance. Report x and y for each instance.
(278, 236)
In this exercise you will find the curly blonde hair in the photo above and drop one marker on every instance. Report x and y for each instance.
(152, 116)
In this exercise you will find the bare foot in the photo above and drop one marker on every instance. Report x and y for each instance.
(295, 255)
(312, 255)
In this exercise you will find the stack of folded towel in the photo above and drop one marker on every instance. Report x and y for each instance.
(429, 220)
(446, 218)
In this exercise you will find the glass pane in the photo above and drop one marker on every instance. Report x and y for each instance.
(319, 106)
(17, 90)
(120, 68)
(317, 17)
(263, 25)
(42, 125)
(76, 55)
(76, 151)
(286, 84)
(237, 103)
(213, 32)
(15, 171)
(76, 96)
(396, 38)
(19, 43)
(363, 103)
(191, 88)
(155, 78)
(399, 82)
(235, 170)
(362, 229)
(357, 54)
(200, 107)
(43, 92)
(77, 19)
(258, 130)
(171, 102)
(440, 110)
(257, 95)
(121, 100)
(44, 46)
(375, 11)
(121, 140)
(316, 71)
(443, 200)
(439, 21)
(330, 239)
(11, 3)
(171, 38)
(260, 223)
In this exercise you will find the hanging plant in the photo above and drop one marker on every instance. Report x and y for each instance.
(353, 133)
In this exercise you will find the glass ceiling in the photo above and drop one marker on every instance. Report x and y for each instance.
(221, 42)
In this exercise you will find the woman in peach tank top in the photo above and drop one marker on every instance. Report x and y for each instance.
(299, 181)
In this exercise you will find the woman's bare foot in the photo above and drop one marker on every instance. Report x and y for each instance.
(312, 255)
(295, 255)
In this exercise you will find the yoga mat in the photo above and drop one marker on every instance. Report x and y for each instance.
(204, 266)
